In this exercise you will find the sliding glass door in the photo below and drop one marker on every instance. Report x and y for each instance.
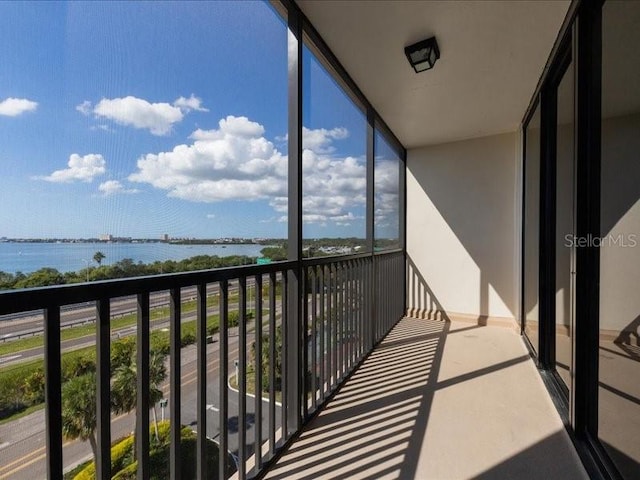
(531, 229)
(564, 224)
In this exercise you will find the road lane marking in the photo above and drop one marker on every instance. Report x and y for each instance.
(211, 407)
(20, 460)
(9, 358)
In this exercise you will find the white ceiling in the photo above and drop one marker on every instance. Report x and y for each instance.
(491, 56)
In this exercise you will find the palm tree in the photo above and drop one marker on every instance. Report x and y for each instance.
(98, 257)
(79, 410)
(124, 392)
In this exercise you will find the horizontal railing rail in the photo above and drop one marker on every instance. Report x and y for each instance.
(14, 301)
(240, 382)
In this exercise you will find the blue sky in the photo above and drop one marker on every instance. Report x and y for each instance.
(139, 119)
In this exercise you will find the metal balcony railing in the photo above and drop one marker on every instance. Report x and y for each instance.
(346, 305)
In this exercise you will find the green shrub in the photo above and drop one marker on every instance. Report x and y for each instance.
(12, 396)
(122, 454)
(121, 352)
(159, 461)
(188, 338)
(128, 473)
(33, 387)
(159, 342)
(123, 468)
(77, 365)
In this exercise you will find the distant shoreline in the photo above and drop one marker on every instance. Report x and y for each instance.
(173, 241)
(28, 257)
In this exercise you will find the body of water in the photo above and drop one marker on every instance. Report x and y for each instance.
(71, 257)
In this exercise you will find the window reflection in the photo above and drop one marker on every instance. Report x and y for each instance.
(531, 227)
(333, 165)
(564, 226)
(619, 356)
(386, 195)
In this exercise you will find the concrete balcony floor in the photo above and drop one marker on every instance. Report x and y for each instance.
(437, 400)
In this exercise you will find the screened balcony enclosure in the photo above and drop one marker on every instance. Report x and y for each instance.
(437, 270)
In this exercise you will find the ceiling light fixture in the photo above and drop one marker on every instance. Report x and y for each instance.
(423, 55)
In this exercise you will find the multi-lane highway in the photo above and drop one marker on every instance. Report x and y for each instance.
(28, 324)
(22, 442)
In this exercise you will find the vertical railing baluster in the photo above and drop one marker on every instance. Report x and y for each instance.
(376, 273)
(143, 386)
(383, 302)
(373, 294)
(53, 391)
(175, 308)
(358, 307)
(384, 278)
(314, 337)
(323, 320)
(356, 310)
(341, 286)
(397, 276)
(363, 306)
(242, 380)
(353, 312)
(334, 324)
(258, 374)
(103, 389)
(347, 317)
(331, 295)
(379, 304)
(360, 291)
(367, 304)
(223, 360)
(305, 343)
(272, 364)
(201, 387)
(389, 299)
(283, 383)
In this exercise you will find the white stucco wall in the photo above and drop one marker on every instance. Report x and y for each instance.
(461, 227)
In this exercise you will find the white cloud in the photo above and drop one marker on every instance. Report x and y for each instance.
(211, 215)
(114, 187)
(233, 162)
(387, 192)
(12, 107)
(320, 140)
(82, 169)
(236, 162)
(158, 118)
(191, 103)
(85, 107)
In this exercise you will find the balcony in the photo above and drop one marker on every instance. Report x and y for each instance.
(433, 398)
(497, 336)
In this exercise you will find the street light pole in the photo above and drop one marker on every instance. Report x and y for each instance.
(163, 405)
